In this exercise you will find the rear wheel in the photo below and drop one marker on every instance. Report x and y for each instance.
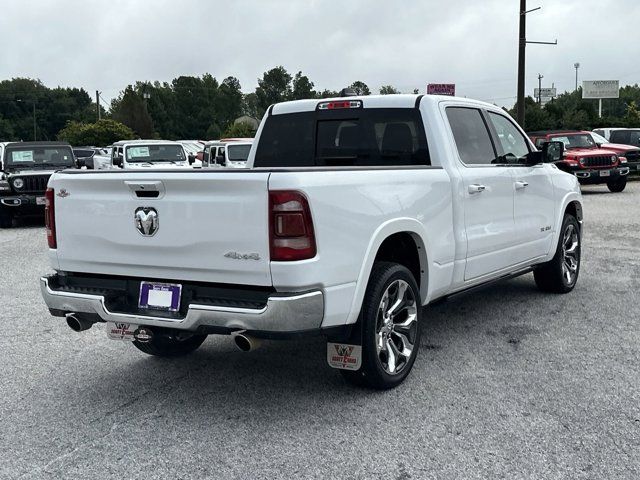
(390, 322)
(561, 273)
(617, 185)
(165, 344)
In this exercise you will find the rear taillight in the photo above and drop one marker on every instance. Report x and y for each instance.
(50, 217)
(291, 235)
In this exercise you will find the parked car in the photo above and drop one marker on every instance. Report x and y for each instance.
(626, 152)
(227, 152)
(606, 132)
(144, 154)
(26, 168)
(584, 159)
(353, 214)
(629, 136)
(193, 149)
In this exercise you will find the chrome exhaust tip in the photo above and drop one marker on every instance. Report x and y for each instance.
(244, 342)
(77, 324)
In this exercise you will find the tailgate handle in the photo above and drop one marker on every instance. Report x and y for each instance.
(153, 189)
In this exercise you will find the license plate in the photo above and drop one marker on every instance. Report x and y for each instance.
(40, 201)
(160, 296)
(121, 331)
(605, 173)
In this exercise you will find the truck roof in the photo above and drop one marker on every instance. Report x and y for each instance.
(374, 101)
(37, 144)
(154, 141)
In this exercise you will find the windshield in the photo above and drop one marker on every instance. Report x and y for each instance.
(35, 157)
(598, 138)
(155, 153)
(349, 137)
(582, 140)
(238, 153)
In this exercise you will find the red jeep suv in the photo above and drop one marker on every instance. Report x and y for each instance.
(590, 163)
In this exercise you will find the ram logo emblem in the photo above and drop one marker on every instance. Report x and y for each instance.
(146, 221)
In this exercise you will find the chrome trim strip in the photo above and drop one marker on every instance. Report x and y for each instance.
(291, 313)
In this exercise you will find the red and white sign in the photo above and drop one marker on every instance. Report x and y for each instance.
(344, 357)
(441, 89)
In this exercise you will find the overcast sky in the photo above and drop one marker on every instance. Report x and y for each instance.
(106, 45)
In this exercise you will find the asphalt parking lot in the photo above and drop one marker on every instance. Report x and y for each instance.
(509, 383)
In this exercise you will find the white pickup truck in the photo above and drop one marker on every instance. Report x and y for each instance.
(354, 212)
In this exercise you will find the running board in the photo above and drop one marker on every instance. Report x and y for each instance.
(480, 286)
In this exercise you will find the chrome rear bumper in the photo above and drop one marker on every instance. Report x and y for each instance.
(291, 313)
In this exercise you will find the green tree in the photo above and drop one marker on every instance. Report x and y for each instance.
(388, 90)
(130, 109)
(101, 133)
(360, 88)
(302, 88)
(273, 87)
(632, 115)
(239, 130)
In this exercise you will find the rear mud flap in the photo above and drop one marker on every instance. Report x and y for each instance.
(346, 353)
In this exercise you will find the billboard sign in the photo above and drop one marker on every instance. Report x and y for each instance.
(545, 92)
(441, 89)
(601, 89)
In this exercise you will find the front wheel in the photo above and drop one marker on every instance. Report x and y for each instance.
(561, 273)
(617, 185)
(164, 344)
(390, 322)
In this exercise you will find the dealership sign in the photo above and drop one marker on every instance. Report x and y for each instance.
(442, 89)
(545, 93)
(601, 89)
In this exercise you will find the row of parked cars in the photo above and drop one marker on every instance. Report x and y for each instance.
(25, 167)
(602, 156)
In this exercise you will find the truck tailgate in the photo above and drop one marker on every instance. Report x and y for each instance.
(211, 226)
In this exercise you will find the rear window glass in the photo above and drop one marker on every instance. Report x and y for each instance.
(357, 137)
(238, 153)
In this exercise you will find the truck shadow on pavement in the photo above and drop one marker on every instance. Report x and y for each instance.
(293, 374)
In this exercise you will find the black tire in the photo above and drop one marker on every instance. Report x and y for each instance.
(387, 277)
(618, 185)
(6, 219)
(556, 276)
(170, 345)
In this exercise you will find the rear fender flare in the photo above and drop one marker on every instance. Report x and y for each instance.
(384, 231)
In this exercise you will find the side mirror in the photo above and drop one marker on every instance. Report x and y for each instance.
(220, 160)
(117, 162)
(205, 157)
(191, 158)
(88, 162)
(81, 162)
(552, 152)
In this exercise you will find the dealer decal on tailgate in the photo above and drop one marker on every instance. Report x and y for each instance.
(345, 357)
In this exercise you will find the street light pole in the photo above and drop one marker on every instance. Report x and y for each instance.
(540, 77)
(576, 66)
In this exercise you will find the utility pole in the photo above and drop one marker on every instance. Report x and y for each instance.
(98, 103)
(540, 77)
(34, 121)
(521, 57)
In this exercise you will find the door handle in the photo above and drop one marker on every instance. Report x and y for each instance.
(476, 188)
(520, 185)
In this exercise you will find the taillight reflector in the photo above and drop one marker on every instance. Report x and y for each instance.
(50, 217)
(291, 235)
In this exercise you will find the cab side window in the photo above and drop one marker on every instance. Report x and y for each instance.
(515, 147)
(472, 136)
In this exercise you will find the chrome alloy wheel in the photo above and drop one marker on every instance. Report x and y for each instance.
(396, 325)
(570, 254)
